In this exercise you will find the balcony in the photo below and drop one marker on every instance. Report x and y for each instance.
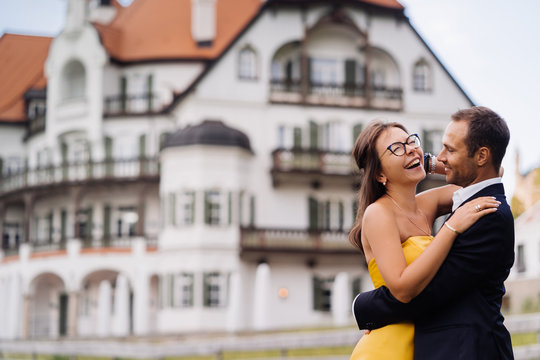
(332, 94)
(313, 166)
(118, 105)
(294, 241)
(81, 173)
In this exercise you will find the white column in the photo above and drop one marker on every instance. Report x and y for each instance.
(121, 307)
(234, 313)
(15, 300)
(341, 300)
(104, 308)
(261, 310)
(3, 308)
(141, 303)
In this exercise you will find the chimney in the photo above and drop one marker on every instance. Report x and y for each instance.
(203, 21)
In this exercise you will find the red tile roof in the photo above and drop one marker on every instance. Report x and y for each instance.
(145, 30)
(22, 61)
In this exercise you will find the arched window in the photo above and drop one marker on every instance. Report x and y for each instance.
(73, 84)
(421, 76)
(247, 64)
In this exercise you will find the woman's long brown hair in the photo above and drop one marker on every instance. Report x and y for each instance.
(367, 159)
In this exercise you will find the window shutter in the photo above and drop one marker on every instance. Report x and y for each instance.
(89, 223)
(142, 146)
(252, 211)
(107, 221)
(172, 208)
(229, 207)
(123, 94)
(64, 150)
(317, 298)
(63, 224)
(313, 207)
(193, 200)
(150, 95)
(171, 290)
(356, 287)
(357, 129)
(206, 290)
(206, 208)
(350, 76)
(297, 137)
(313, 135)
(50, 227)
(327, 212)
(341, 217)
(426, 141)
(191, 281)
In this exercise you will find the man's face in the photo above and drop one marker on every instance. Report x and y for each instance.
(460, 169)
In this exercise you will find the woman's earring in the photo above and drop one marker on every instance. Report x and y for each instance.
(384, 183)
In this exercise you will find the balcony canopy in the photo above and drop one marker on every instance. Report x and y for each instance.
(209, 132)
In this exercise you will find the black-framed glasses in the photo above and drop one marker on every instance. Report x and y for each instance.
(399, 148)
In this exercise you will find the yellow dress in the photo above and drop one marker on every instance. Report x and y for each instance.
(396, 341)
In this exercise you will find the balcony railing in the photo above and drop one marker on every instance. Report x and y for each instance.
(295, 240)
(313, 160)
(130, 104)
(336, 94)
(80, 172)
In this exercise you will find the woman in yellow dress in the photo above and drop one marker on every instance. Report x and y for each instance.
(393, 227)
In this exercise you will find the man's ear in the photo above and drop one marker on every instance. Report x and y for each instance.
(483, 156)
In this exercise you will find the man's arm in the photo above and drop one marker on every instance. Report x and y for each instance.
(474, 255)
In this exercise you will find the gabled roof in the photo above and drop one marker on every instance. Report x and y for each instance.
(161, 29)
(22, 61)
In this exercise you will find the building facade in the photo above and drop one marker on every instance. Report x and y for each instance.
(184, 165)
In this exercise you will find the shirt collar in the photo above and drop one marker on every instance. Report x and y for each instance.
(464, 193)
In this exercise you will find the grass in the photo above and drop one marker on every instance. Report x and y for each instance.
(521, 339)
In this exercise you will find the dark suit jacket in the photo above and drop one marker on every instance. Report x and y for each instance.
(457, 316)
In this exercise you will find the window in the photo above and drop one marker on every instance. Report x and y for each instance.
(212, 207)
(322, 293)
(421, 76)
(432, 141)
(73, 81)
(127, 221)
(378, 79)
(214, 290)
(247, 64)
(356, 287)
(323, 71)
(521, 265)
(181, 286)
(188, 207)
(325, 215)
(172, 209)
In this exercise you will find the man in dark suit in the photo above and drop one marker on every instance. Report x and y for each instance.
(458, 315)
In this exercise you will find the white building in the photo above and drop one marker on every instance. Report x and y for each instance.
(238, 219)
(523, 283)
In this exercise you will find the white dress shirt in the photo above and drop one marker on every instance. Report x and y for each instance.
(464, 193)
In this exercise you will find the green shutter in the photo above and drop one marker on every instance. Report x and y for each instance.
(64, 149)
(63, 224)
(252, 211)
(297, 138)
(426, 141)
(206, 208)
(107, 221)
(341, 215)
(357, 129)
(229, 207)
(108, 156)
(191, 279)
(313, 135)
(317, 298)
(171, 290)
(89, 223)
(150, 86)
(192, 205)
(123, 94)
(356, 287)
(326, 212)
(350, 76)
(142, 146)
(50, 227)
(313, 207)
(206, 290)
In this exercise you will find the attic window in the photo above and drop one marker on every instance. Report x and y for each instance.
(247, 64)
(421, 76)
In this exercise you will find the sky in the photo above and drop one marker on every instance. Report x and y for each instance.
(491, 48)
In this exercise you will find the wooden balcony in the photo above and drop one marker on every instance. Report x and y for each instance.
(312, 166)
(261, 242)
(333, 94)
(114, 170)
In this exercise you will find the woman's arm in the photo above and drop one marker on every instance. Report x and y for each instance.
(382, 233)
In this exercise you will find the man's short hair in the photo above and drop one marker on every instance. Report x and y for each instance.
(486, 128)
